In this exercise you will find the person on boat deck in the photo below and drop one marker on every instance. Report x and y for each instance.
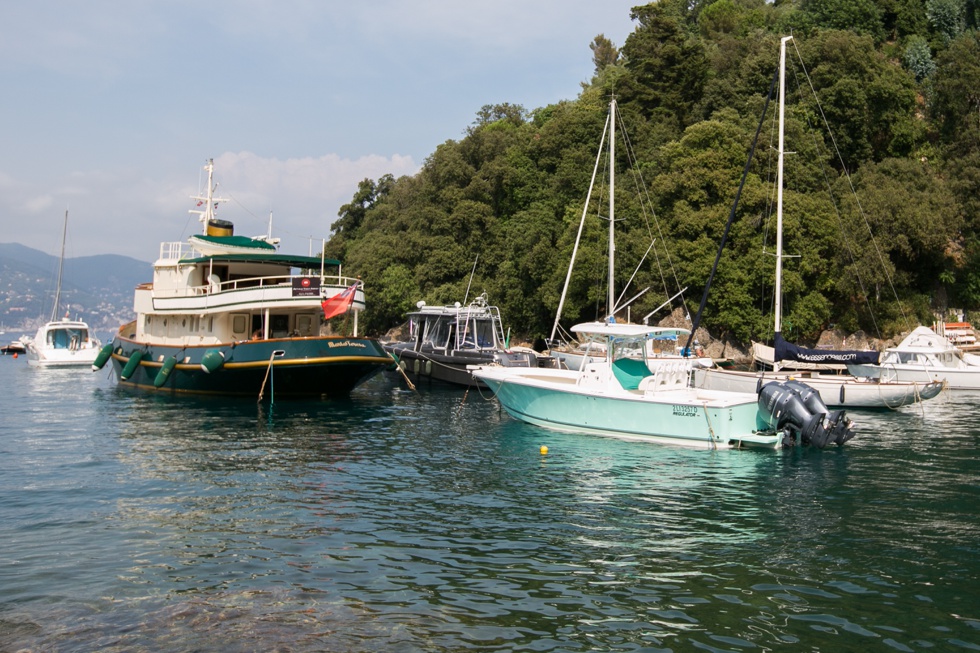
(257, 334)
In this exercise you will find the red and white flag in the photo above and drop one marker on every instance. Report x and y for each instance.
(338, 304)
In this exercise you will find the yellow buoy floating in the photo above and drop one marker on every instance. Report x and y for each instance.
(544, 449)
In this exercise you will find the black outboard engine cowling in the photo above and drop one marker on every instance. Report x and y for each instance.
(797, 410)
(813, 402)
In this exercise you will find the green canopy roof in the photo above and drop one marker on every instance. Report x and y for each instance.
(237, 241)
(272, 256)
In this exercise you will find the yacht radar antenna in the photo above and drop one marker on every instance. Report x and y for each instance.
(209, 201)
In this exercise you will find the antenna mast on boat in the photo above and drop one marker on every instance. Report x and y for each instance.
(470, 282)
(61, 269)
(209, 201)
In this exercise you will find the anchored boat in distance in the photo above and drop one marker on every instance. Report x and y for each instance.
(62, 342)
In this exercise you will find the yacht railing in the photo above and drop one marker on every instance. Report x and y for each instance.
(175, 251)
(327, 282)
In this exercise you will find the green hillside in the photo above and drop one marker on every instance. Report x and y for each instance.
(881, 210)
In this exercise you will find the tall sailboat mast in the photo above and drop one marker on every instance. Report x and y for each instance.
(611, 301)
(581, 226)
(779, 187)
(61, 270)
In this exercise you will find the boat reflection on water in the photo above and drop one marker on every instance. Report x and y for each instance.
(395, 520)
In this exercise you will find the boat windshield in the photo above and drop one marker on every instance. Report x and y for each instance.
(437, 332)
(626, 348)
(662, 346)
(476, 334)
(458, 332)
(908, 358)
(66, 338)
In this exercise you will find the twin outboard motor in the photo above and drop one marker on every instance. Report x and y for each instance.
(796, 409)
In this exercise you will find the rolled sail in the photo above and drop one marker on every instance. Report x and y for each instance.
(789, 352)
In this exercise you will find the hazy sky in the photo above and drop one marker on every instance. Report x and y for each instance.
(111, 109)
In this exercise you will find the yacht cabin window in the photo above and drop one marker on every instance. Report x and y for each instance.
(239, 325)
(304, 325)
(477, 334)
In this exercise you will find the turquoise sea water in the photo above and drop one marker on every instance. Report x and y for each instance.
(397, 521)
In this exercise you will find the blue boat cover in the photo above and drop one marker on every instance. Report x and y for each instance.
(789, 352)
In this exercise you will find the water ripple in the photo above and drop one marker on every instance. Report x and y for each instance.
(426, 522)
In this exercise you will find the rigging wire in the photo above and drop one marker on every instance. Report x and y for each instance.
(770, 211)
(578, 237)
(846, 241)
(857, 200)
(643, 195)
(731, 216)
(646, 209)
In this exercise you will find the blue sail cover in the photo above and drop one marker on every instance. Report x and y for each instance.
(789, 352)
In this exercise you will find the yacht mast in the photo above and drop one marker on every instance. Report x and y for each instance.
(611, 301)
(779, 187)
(61, 269)
(581, 225)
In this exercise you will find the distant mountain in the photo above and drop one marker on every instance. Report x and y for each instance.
(97, 289)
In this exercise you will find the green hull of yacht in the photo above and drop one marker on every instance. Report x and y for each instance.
(280, 368)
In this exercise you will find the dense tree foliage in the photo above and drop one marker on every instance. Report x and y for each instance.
(881, 192)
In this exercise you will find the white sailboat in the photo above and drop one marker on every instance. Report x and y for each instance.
(839, 390)
(62, 342)
(619, 395)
